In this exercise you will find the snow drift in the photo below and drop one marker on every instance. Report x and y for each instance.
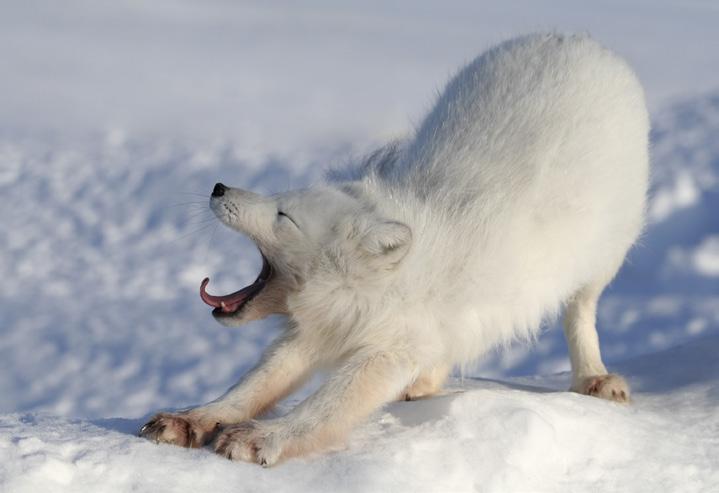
(523, 434)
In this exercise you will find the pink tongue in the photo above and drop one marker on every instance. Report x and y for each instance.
(228, 303)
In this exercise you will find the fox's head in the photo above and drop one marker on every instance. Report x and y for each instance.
(320, 236)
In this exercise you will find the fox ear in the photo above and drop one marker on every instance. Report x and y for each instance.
(387, 242)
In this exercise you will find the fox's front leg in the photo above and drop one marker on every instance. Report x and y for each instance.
(283, 367)
(363, 384)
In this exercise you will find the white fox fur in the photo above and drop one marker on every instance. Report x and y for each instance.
(519, 194)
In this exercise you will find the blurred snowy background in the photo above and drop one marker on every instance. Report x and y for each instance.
(116, 118)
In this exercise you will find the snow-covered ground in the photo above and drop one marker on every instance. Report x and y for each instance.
(521, 434)
(117, 118)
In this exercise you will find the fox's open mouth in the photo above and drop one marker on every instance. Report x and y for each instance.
(232, 303)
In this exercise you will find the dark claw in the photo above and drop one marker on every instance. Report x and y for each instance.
(146, 429)
(263, 462)
(152, 427)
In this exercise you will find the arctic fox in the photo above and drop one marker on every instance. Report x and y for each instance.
(518, 195)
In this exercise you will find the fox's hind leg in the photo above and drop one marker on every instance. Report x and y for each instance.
(589, 375)
(428, 383)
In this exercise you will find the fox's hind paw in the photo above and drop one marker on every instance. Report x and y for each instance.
(612, 387)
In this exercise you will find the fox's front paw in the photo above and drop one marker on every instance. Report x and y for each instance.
(611, 387)
(252, 441)
(178, 429)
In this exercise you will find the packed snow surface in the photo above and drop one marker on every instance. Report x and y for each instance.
(523, 434)
(116, 119)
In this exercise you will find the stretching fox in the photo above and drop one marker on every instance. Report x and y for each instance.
(519, 195)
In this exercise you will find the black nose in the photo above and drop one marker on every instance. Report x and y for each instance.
(219, 190)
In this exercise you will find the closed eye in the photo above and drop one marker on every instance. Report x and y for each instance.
(280, 213)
